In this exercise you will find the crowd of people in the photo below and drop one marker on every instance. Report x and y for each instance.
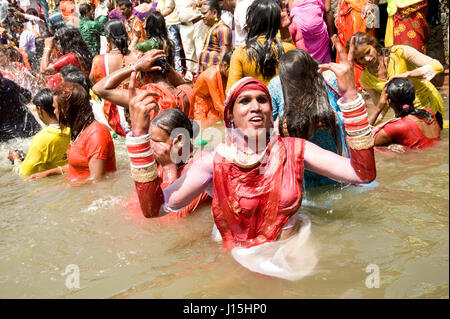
(287, 80)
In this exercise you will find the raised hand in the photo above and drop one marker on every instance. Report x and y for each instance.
(343, 70)
(141, 104)
(145, 63)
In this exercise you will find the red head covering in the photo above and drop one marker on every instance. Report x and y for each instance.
(244, 84)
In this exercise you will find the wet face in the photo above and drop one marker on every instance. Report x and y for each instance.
(209, 17)
(366, 54)
(252, 112)
(159, 136)
(126, 11)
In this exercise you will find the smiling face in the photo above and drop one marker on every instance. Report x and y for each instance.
(366, 54)
(209, 17)
(252, 112)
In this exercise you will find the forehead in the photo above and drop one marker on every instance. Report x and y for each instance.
(363, 48)
(251, 93)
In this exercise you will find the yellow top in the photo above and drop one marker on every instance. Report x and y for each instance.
(241, 66)
(403, 59)
(47, 150)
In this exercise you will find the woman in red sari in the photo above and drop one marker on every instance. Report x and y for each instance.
(162, 80)
(117, 57)
(411, 127)
(244, 175)
(74, 49)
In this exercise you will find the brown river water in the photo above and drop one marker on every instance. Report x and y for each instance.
(397, 231)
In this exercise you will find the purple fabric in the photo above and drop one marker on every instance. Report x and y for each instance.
(308, 17)
(115, 14)
(143, 15)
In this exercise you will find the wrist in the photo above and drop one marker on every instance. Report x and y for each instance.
(349, 95)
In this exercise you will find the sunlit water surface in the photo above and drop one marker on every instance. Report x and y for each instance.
(401, 226)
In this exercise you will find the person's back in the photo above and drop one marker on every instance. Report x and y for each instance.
(47, 150)
(411, 127)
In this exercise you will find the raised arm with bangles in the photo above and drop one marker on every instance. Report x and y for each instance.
(245, 174)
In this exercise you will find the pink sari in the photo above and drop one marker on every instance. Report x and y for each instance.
(307, 19)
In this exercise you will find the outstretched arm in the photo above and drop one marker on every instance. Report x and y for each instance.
(360, 168)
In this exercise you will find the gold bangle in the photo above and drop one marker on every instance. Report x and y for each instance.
(144, 175)
(360, 142)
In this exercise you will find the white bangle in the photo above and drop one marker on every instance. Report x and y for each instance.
(61, 170)
(350, 105)
(135, 140)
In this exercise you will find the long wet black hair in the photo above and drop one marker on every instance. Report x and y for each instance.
(155, 27)
(263, 18)
(402, 93)
(306, 104)
(115, 31)
(70, 40)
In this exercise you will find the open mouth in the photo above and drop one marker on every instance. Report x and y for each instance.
(257, 120)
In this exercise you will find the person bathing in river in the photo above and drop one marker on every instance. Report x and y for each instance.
(91, 151)
(411, 127)
(48, 147)
(171, 133)
(244, 175)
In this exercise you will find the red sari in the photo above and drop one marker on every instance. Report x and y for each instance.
(249, 207)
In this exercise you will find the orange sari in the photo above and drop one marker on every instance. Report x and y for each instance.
(209, 94)
(348, 22)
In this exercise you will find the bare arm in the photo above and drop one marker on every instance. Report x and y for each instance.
(329, 19)
(340, 168)
(107, 89)
(97, 168)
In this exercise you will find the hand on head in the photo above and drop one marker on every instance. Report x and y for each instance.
(145, 63)
(343, 70)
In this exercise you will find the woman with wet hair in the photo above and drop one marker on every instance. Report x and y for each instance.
(48, 147)
(399, 61)
(310, 108)
(161, 81)
(255, 178)
(74, 50)
(411, 127)
(172, 133)
(259, 56)
(91, 151)
(118, 55)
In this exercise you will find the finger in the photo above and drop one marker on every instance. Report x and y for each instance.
(351, 51)
(132, 85)
(329, 66)
(339, 49)
(155, 68)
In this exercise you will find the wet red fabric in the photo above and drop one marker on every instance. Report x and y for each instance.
(406, 132)
(93, 142)
(250, 206)
(167, 99)
(66, 59)
(144, 205)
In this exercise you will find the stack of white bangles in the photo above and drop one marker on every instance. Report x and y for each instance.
(356, 121)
